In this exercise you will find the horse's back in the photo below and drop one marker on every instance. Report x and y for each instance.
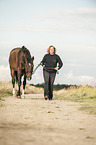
(13, 58)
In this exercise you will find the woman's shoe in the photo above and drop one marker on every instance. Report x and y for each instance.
(50, 98)
(46, 97)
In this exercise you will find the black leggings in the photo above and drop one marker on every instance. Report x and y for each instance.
(48, 85)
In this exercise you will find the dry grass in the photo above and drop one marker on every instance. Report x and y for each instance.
(85, 95)
(33, 90)
(6, 89)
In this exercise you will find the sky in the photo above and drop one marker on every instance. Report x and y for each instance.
(68, 25)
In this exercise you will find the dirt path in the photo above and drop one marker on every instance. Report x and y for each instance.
(35, 121)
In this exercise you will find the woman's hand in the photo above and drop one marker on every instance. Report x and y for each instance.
(56, 68)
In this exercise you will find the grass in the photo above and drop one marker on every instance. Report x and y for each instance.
(6, 89)
(33, 90)
(84, 95)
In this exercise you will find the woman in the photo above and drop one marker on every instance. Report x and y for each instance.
(52, 63)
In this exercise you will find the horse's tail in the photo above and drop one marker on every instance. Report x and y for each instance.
(16, 77)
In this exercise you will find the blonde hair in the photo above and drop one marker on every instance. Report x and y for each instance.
(48, 50)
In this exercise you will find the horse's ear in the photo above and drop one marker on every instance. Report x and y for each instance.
(32, 58)
(23, 46)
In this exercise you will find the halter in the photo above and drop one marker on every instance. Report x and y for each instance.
(28, 72)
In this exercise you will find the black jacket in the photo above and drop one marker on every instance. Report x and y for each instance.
(51, 61)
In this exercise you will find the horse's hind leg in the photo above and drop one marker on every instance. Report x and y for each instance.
(24, 84)
(13, 80)
(16, 79)
(16, 76)
(19, 85)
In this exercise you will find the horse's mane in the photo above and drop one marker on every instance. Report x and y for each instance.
(26, 53)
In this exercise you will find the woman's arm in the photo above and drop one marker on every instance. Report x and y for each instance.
(60, 62)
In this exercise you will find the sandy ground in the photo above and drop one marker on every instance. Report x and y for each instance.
(35, 121)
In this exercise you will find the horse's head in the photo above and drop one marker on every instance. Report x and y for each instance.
(29, 68)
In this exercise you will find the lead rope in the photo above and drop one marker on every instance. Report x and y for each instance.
(36, 68)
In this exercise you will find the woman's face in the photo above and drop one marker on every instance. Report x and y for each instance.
(51, 50)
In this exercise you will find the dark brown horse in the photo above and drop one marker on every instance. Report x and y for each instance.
(21, 64)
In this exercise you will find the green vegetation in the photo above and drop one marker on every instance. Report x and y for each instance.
(56, 87)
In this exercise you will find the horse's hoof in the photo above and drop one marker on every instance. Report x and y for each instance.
(14, 95)
(23, 97)
(19, 97)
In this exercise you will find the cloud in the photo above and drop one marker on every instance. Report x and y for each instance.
(5, 73)
(80, 20)
(70, 78)
(60, 13)
(75, 20)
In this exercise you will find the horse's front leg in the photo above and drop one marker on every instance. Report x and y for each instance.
(19, 85)
(24, 84)
(13, 81)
